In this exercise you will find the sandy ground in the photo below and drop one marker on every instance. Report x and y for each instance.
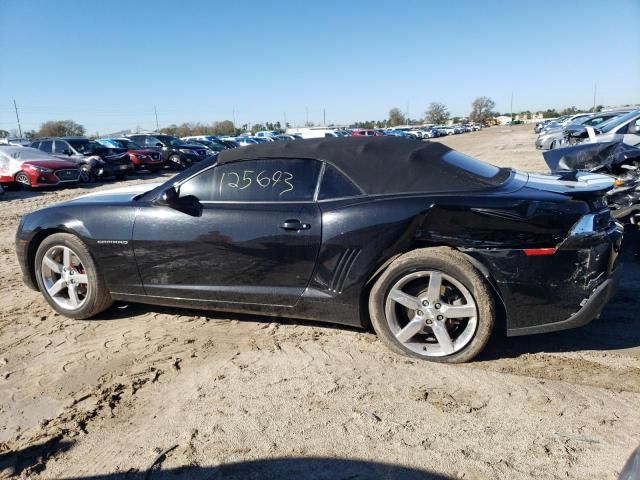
(149, 392)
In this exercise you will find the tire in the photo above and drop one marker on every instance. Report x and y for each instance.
(86, 174)
(175, 162)
(553, 145)
(91, 296)
(23, 181)
(431, 309)
(121, 176)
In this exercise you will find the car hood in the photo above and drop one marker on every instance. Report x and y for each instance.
(551, 131)
(52, 164)
(114, 195)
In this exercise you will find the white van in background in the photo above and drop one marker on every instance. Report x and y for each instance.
(314, 132)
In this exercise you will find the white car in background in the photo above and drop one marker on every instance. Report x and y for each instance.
(313, 132)
(625, 128)
(17, 141)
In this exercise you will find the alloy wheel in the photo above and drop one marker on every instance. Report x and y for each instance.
(64, 277)
(431, 313)
(23, 179)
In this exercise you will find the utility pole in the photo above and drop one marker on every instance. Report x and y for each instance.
(595, 88)
(324, 117)
(155, 110)
(306, 109)
(406, 113)
(285, 121)
(17, 117)
(233, 115)
(511, 105)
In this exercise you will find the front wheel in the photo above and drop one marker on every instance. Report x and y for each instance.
(86, 175)
(433, 304)
(68, 277)
(176, 163)
(23, 180)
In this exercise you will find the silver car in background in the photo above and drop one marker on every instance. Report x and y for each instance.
(555, 137)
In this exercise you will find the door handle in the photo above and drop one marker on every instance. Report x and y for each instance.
(294, 224)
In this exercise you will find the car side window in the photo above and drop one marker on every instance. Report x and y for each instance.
(46, 146)
(152, 141)
(61, 146)
(35, 145)
(272, 180)
(336, 185)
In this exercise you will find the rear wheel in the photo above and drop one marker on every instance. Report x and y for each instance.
(433, 304)
(23, 181)
(69, 278)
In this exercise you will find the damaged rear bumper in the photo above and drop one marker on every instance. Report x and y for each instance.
(566, 289)
(591, 309)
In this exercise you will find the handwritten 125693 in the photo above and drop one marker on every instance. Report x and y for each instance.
(278, 180)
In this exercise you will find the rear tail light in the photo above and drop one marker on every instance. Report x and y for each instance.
(537, 252)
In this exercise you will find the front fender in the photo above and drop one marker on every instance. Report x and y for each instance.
(105, 229)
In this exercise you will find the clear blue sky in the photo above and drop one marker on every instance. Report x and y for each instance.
(106, 64)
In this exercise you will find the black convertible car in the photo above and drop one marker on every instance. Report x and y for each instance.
(435, 248)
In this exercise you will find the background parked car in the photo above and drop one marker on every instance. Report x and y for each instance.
(95, 160)
(29, 167)
(213, 147)
(625, 128)
(18, 141)
(175, 153)
(367, 133)
(556, 137)
(141, 158)
(574, 132)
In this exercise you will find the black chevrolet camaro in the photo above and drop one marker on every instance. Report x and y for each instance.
(436, 249)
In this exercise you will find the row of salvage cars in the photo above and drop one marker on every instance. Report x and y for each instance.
(606, 126)
(437, 254)
(61, 161)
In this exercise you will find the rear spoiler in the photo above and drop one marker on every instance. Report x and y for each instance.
(575, 184)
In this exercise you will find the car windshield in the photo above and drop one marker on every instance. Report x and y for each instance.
(614, 122)
(173, 141)
(126, 143)
(84, 146)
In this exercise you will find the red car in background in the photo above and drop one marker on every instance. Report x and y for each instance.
(29, 167)
(367, 133)
(142, 158)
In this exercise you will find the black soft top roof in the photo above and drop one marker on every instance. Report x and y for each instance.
(381, 165)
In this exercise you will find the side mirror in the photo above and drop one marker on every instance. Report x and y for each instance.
(66, 151)
(158, 144)
(168, 197)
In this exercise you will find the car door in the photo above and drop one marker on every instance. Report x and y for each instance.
(254, 241)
